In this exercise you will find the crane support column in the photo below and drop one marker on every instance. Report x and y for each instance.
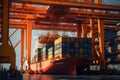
(84, 30)
(28, 41)
(78, 32)
(5, 29)
(91, 1)
(92, 35)
(22, 50)
(101, 43)
(7, 53)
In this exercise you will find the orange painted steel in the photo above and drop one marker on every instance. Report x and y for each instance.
(22, 22)
(99, 1)
(7, 53)
(92, 35)
(84, 30)
(28, 42)
(72, 4)
(101, 43)
(18, 42)
(12, 33)
(5, 23)
(78, 31)
(25, 17)
(28, 9)
(105, 15)
(22, 50)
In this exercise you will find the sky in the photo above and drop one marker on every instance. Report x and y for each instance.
(112, 2)
(35, 33)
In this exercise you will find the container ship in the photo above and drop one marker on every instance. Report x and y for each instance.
(64, 55)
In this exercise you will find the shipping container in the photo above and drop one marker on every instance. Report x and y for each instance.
(69, 44)
(68, 39)
(58, 53)
(35, 58)
(109, 35)
(111, 57)
(72, 39)
(51, 53)
(44, 50)
(89, 40)
(65, 47)
(115, 47)
(44, 57)
(81, 45)
(38, 54)
(78, 39)
(85, 40)
(59, 40)
(75, 47)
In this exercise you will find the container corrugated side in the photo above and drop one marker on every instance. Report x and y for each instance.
(57, 41)
(51, 53)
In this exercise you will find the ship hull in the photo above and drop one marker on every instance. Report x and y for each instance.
(58, 66)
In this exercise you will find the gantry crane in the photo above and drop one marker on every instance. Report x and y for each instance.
(88, 18)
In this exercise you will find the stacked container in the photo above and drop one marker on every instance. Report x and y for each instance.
(113, 56)
(51, 53)
(43, 53)
(44, 50)
(114, 39)
(37, 55)
(66, 47)
(87, 47)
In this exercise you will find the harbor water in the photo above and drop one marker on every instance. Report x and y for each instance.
(69, 77)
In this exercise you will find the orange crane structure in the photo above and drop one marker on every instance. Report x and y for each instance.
(89, 18)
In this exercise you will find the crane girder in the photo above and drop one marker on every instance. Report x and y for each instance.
(76, 13)
(72, 4)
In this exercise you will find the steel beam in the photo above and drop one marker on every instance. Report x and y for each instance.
(13, 33)
(46, 27)
(78, 31)
(22, 50)
(28, 41)
(101, 43)
(5, 28)
(5, 49)
(16, 44)
(27, 11)
(84, 30)
(92, 30)
(71, 4)
(84, 14)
